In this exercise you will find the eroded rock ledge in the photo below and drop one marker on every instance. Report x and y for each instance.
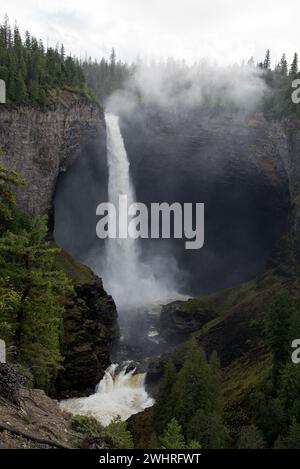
(90, 330)
(39, 144)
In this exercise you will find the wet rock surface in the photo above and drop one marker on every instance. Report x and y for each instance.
(239, 166)
(90, 329)
(177, 321)
(40, 144)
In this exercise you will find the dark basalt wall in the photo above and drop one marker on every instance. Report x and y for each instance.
(235, 165)
(90, 329)
(40, 145)
(78, 192)
(238, 166)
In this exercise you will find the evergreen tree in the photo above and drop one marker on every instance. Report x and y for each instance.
(278, 333)
(292, 439)
(8, 179)
(9, 302)
(194, 390)
(173, 437)
(197, 386)
(20, 89)
(13, 75)
(27, 261)
(267, 61)
(30, 72)
(209, 429)
(106, 76)
(250, 438)
(163, 409)
(118, 434)
(269, 418)
(113, 58)
(289, 391)
(283, 66)
(294, 66)
(33, 91)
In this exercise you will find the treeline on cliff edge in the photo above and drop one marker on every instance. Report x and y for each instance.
(32, 70)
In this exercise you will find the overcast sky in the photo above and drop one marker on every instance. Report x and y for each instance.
(224, 30)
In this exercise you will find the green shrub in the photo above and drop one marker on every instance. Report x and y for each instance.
(115, 435)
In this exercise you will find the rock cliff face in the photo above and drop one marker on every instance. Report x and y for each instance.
(268, 165)
(90, 328)
(288, 133)
(39, 145)
(36, 423)
(177, 322)
(240, 166)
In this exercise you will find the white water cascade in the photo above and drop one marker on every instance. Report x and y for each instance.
(130, 282)
(134, 287)
(120, 393)
(122, 264)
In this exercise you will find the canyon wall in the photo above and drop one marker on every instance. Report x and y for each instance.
(41, 144)
(90, 329)
(238, 165)
(242, 167)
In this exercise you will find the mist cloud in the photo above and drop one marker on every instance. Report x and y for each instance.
(175, 87)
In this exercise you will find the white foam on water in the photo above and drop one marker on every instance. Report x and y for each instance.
(119, 394)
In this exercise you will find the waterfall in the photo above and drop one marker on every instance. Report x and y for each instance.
(122, 256)
(121, 392)
(131, 282)
(135, 288)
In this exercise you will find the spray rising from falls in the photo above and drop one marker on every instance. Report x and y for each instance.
(121, 393)
(130, 282)
(135, 288)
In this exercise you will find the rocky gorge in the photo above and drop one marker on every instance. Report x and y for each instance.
(245, 168)
(39, 145)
